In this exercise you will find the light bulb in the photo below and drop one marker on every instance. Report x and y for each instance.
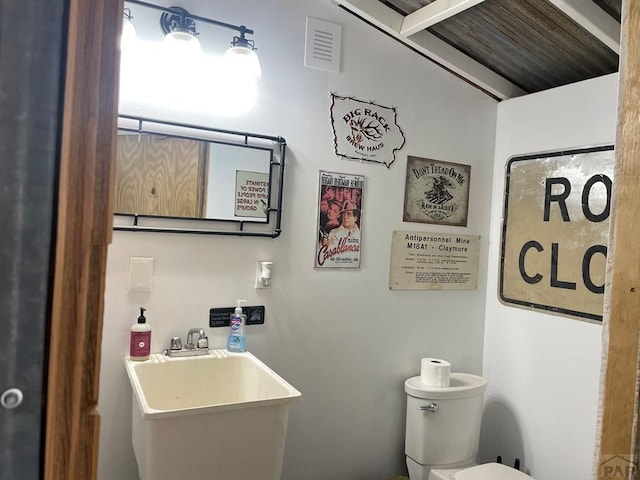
(242, 62)
(183, 61)
(128, 37)
(181, 44)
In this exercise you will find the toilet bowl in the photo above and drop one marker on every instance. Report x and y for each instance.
(443, 431)
(486, 471)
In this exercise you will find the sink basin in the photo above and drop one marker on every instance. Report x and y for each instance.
(168, 387)
(222, 415)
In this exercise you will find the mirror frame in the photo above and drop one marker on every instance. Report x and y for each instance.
(135, 222)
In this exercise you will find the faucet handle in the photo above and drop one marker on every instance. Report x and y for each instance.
(176, 344)
(203, 342)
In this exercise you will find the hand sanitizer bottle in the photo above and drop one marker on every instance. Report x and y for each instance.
(237, 341)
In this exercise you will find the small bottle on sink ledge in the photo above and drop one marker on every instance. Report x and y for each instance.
(237, 341)
(140, 342)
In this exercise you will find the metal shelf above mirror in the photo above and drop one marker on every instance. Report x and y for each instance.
(181, 178)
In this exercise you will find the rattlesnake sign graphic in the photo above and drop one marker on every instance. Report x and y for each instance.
(436, 192)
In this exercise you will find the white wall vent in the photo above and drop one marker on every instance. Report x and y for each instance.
(322, 47)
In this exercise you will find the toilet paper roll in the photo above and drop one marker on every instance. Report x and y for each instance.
(435, 372)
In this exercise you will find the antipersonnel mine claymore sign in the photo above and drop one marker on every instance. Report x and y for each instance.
(555, 232)
(436, 192)
(434, 261)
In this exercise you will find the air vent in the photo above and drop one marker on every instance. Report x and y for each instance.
(322, 48)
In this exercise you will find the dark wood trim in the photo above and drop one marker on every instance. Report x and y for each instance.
(83, 233)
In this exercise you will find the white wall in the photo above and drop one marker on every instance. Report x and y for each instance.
(543, 370)
(341, 337)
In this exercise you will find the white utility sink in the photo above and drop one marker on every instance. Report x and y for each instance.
(222, 415)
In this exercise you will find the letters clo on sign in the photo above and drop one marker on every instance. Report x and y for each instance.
(559, 198)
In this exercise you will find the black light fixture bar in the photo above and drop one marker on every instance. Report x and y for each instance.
(238, 28)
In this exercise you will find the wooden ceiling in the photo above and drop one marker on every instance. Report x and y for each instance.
(507, 48)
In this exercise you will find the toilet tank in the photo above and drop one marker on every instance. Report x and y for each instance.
(448, 436)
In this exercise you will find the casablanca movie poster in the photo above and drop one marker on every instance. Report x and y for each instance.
(340, 201)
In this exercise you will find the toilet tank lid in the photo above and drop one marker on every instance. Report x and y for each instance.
(491, 471)
(461, 385)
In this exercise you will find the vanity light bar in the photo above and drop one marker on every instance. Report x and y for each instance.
(183, 13)
(179, 27)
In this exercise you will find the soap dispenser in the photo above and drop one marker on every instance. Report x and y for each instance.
(140, 342)
(237, 341)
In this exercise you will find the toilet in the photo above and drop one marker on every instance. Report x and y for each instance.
(443, 431)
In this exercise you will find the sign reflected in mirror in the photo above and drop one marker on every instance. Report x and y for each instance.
(251, 194)
(184, 178)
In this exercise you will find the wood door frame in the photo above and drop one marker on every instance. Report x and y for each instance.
(83, 232)
(618, 442)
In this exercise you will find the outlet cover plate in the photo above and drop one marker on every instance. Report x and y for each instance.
(141, 274)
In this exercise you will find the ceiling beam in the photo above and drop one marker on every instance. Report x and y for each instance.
(389, 21)
(433, 13)
(593, 19)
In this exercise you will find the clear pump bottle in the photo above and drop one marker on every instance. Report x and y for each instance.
(237, 340)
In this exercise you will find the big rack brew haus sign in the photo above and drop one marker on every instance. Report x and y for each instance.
(555, 231)
(365, 131)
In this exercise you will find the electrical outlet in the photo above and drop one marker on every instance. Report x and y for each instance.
(221, 317)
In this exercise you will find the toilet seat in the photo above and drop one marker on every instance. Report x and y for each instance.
(490, 471)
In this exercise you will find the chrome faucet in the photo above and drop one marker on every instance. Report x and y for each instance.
(193, 346)
(190, 345)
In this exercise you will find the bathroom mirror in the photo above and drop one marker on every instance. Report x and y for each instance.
(175, 177)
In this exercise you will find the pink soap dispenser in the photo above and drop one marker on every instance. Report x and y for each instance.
(140, 344)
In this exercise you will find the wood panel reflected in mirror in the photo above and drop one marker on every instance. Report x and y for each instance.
(160, 175)
(185, 178)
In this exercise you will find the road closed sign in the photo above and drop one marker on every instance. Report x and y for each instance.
(555, 232)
